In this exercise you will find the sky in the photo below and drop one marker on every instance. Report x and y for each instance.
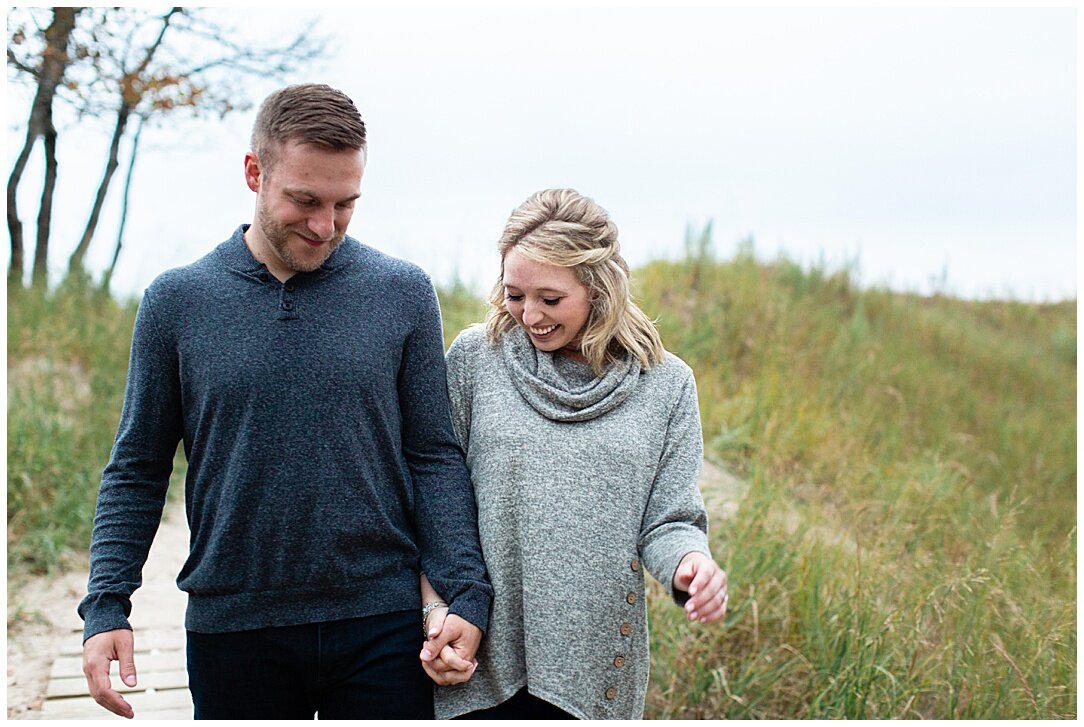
(926, 149)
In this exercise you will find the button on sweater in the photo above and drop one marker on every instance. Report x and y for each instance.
(580, 481)
(323, 471)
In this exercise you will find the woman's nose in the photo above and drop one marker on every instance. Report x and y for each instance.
(531, 315)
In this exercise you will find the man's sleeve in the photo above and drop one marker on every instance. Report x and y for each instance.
(460, 392)
(446, 515)
(675, 520)
(134, 483)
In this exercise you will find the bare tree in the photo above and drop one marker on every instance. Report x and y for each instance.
(122, 63)
(48, 72)
(191, 65)
(130, 95)
(107, 278)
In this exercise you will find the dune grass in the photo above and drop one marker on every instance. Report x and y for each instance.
(907, 546)
(67, 358)
(67, 366)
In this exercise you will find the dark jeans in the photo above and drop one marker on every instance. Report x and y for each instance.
(359, 668)
(522, 705)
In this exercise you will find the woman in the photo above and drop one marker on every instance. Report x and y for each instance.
(582, 436)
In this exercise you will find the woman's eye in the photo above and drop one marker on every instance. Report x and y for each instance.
(513, 298)
(551, 301)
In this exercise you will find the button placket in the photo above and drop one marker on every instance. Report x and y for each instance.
(288, 300)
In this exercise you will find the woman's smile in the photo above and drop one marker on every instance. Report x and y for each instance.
(543, 333)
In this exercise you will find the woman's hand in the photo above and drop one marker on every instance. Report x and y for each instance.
(448, 667)
(705, 582)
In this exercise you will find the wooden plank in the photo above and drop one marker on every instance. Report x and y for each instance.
(145, 641)
(163, 660)
(87, 708)
(77, 686)
(185, 714)
(153, 607)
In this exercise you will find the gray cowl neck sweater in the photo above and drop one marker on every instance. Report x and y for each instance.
(562, 389)
(583, 483)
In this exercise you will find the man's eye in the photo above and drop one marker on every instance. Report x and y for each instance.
(305, 202)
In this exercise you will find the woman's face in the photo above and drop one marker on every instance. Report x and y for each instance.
(549, 302)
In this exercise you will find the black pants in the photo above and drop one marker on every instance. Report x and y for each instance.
(359, 668)
(522, 705)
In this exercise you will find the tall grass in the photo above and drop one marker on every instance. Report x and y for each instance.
(908, 544)
(459, 308)
(67, 358)
(67, 365)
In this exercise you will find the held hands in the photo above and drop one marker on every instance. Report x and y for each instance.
(448, 655)
(705, 582)
(98, 651)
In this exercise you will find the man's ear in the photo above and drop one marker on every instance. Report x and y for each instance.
(253, 171)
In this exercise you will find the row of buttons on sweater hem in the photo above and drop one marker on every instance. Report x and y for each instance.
(626, 629)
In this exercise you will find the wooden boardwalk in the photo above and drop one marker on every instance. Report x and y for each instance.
(158, 623)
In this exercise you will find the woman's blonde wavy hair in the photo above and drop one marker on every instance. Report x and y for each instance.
(562, 227)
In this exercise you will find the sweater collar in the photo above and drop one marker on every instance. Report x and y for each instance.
(235, 254)
(556, 389)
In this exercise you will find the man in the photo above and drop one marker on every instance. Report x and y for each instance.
(305, 374)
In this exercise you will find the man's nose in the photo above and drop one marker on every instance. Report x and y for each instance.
(322, 223)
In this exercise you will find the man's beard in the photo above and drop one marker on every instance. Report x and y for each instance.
(278, 237)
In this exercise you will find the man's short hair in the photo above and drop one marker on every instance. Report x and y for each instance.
(308, 113)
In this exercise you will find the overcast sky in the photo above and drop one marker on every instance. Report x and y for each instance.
(935, 147)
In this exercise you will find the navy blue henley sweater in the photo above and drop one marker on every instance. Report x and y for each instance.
(323, 471)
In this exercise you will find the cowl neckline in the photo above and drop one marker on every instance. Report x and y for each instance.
(561, 389)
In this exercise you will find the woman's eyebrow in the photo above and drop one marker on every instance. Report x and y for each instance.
(554, 291)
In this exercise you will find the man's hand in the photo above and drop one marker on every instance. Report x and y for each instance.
(98, 651)
(705, 582)
(448, 655)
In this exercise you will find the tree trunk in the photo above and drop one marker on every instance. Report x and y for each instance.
(15, 227)
(40, 276)
(75, 262)
(127, 104)
(108, 277)
(53, 65)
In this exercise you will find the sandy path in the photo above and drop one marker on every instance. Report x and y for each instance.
(54, 628)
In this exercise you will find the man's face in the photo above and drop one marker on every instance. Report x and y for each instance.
(303, 205)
